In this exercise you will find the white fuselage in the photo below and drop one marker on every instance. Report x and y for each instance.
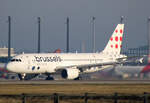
(48, 63)
(73, 63)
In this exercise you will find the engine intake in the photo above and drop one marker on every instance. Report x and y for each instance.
(70, 73)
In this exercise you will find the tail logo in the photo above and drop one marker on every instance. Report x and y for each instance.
(121, 31)
(114, 44)
(116, 31)
(117, 39)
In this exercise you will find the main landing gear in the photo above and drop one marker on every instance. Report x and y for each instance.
(27, 76)
(49, 77)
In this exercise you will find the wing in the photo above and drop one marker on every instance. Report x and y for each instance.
(83, 67)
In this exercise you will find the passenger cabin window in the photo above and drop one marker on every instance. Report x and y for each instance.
(38, 68)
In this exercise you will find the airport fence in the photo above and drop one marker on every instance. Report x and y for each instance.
(67, 98)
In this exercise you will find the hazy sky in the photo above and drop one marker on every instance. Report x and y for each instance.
(53, 13)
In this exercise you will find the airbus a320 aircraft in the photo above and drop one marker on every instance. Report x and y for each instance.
(69, 65)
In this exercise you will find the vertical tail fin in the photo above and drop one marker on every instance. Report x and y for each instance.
(114, 44)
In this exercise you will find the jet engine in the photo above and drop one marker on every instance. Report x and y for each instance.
(70, 73)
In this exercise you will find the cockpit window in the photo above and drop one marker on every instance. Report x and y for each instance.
(12, 60)
(16, 60)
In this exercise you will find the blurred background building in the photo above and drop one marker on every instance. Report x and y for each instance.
(139, 51)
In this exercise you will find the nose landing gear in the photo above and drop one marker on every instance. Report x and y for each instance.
(22, 76)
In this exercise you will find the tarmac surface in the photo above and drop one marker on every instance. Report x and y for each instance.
(40, 82)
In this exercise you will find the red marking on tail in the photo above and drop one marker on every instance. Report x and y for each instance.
(146, 69)
(120, 38)
(116, 38)
(120, 46)
(111, 38)
(111, 46)
(121, 31)
(116, 31)
(116, 46)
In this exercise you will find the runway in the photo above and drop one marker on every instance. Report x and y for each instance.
(43, 82)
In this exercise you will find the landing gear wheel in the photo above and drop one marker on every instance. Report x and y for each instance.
(49, 78)
(21, 76)
(78, 78)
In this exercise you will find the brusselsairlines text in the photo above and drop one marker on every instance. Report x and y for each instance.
(48, 59)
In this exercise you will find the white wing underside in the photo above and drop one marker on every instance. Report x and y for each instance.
(84, 67)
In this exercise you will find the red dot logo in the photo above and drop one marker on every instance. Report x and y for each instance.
(121, 31)
(116, 38)
(116, 31)
(111, 38)
(111, 46)
(120, 38)
(120, 46)
(116, 46)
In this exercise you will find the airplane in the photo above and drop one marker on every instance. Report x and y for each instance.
(127, 71)
(68, 65)
(136, 67)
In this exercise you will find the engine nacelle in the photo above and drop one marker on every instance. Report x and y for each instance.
(70, 73)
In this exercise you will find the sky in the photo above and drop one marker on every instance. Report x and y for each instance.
(53, 15)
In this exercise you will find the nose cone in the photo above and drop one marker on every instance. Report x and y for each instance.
(10, 67)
